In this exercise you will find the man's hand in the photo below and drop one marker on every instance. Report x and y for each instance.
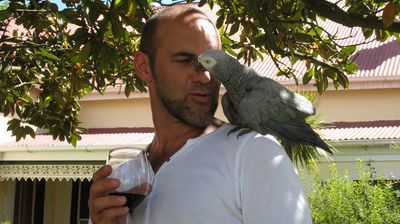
(105, 208)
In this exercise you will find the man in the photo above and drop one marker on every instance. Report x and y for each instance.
(203, 175)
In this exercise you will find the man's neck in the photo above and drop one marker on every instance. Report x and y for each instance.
(167, 141)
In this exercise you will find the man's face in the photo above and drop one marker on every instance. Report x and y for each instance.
(189, 95)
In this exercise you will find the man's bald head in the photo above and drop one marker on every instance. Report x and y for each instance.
(148, 42)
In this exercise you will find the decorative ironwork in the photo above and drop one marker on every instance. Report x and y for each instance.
(47, 172)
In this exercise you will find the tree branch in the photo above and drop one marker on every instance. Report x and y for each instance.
(308, 58)
(336, 14)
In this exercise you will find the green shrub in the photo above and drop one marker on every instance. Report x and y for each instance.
(343, 201)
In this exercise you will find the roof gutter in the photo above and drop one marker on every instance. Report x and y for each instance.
(365, 142)
(87, 148)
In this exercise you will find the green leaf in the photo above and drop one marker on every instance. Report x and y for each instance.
(293, 60)
(220, 20)
(30, 131)
(127, 90)
(367, 32)
(211, 4)
(4, 14)
(80, 36)
(117, 29)
(119, 3)
(71, 16)
(13, 124)
(47, 101)
(94, 13)
(234, 28)
(74, 138)
(343, 80)
(7, 69)
(103, 61)
(331, 74)
(316, 31)
(308, 76)
(85, 52)
(202, 2)
(303, 37)
(43, 52)
(351, 67)
(349, 50)
(18, 110)
(75, 59)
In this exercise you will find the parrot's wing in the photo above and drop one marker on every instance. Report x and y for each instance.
(302, 105)
(297, 132)
(229, 110)
(293, 131)
(289, 100)
(264, 100)
(267, 109)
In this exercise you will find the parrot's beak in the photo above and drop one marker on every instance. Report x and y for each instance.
(199, 66)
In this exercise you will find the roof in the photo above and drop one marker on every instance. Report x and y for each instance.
(365, 130)
(111, 137)
(88, 141)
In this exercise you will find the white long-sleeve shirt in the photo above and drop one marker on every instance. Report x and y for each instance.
(222, 179)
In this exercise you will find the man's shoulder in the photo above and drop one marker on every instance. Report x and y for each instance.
(228, 136)
(243, 134)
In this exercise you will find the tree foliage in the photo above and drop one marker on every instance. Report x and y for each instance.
(62, 54)
(373, 200)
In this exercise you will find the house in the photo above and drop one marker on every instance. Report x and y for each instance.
(47, 181)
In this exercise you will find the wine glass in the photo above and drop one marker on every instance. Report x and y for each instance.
(131, 166)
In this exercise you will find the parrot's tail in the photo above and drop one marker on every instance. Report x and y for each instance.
(322, 144)
(300, 133)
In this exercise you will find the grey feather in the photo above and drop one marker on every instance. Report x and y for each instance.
(259, 103)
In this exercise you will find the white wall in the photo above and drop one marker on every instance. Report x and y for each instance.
(120, 113)
(360, 105)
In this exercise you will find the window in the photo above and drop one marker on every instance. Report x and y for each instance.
(29, 201)
(79, 206)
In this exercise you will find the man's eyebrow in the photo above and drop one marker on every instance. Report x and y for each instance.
(182, 54)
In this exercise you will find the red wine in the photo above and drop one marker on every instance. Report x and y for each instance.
(132, 200)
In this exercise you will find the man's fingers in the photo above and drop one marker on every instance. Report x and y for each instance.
(102, 173)
(103, 203)
(103, 187)
(111, 215)
(108, 208)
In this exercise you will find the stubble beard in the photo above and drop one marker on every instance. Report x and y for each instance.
(181, 110)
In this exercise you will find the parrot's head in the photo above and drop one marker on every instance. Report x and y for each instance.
(216, 62)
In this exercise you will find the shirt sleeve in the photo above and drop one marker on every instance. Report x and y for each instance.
(270, 190)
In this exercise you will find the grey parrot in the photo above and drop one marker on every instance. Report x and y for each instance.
(254, 102)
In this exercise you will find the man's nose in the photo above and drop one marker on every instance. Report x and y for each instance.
(201, 75)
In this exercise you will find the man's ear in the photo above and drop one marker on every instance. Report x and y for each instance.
(142, 66)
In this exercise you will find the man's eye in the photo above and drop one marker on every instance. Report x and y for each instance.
(187, 60)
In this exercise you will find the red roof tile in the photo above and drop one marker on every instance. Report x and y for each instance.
(120, 130)
(364, 124)
(338, 131)
(368, 130)
(105, 139)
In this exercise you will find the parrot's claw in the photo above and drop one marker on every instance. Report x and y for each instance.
(235, 129)
(242, 132)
